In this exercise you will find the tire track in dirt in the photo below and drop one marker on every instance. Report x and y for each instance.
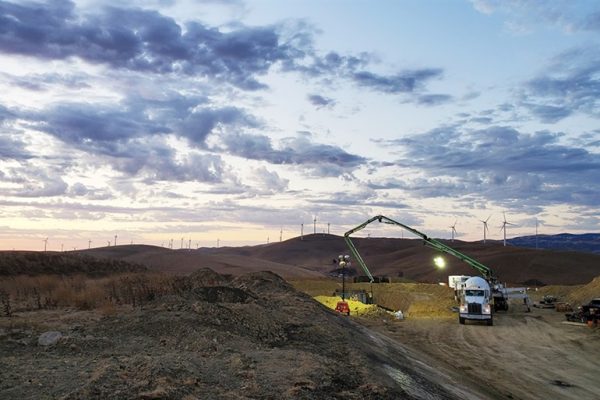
(523, 356)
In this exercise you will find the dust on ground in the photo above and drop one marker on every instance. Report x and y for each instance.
(219, 337)
(523, 356)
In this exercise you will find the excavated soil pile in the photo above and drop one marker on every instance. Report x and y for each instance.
(218, 337)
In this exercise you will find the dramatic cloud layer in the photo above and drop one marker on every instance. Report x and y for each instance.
(499, 163)
(176, 116)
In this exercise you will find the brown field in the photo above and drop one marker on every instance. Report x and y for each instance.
(149, 323)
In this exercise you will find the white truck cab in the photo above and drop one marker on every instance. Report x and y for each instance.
(476, 301)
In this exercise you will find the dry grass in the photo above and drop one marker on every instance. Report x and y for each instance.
(25, 293)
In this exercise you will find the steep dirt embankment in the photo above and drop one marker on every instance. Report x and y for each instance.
(252, 336)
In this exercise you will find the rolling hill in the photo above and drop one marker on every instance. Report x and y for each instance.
(314, 257)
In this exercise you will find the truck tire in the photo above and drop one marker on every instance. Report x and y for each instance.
(461, 320)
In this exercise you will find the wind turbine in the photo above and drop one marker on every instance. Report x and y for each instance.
(89, 244)
(315, 224)
(45, 244)
(301, 231)
(485, 227)
(328, 228)
(536, 232)
(504, 227)
(115, 241)
(453, 229)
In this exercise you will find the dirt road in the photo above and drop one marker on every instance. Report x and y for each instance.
(523, 356)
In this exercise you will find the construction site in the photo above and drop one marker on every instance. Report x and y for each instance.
(316, 317)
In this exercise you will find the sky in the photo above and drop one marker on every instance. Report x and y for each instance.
(198, 123)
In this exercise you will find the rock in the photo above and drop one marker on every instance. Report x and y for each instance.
(49, 338)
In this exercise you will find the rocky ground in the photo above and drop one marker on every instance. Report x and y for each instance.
(218, 337)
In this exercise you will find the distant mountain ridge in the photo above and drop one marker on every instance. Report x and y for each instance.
(586, 242)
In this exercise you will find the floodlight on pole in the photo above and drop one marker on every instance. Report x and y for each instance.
(439, 262)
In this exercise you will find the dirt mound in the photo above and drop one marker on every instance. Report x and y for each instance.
(585, 293)
(220, 294)
(207, 277)
(254, 337)
(263, 283)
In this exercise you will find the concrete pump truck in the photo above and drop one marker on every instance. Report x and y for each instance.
(479, 296)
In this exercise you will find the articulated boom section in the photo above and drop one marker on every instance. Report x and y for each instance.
(485, 271)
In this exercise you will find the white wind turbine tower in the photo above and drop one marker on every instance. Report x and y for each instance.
(315, 224)
(485, 228)
(504, 227)
(45, 244)
(453, 230)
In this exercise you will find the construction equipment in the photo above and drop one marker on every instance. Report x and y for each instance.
(587, 313)
(342, 306)
(498, 293)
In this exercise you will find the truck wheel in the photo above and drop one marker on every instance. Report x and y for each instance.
(461, 320)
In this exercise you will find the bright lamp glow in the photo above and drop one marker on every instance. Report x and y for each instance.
(439, 262)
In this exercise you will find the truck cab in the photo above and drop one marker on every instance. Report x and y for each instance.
(476, 301)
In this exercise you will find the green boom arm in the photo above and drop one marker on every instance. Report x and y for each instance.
(483, 270)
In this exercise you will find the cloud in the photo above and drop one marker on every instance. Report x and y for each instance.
(268, 182)
(320, 101)
(146, 41)
(523, 16)
(322, 159)
(404, 82)
(433, 99)
(140, 40)
(33, 181)
(42, 82)
(498, 163)
(199, 124)
(570, 84)
(12, 148)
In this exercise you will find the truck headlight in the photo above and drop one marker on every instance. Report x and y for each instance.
(487, 309)
(463, 308)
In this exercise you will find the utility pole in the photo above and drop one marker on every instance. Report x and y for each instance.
(45, 244)
(301, 231)
(281, 235)
(328, 228)
(115, 240)
(89, 244)
(315, 225)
